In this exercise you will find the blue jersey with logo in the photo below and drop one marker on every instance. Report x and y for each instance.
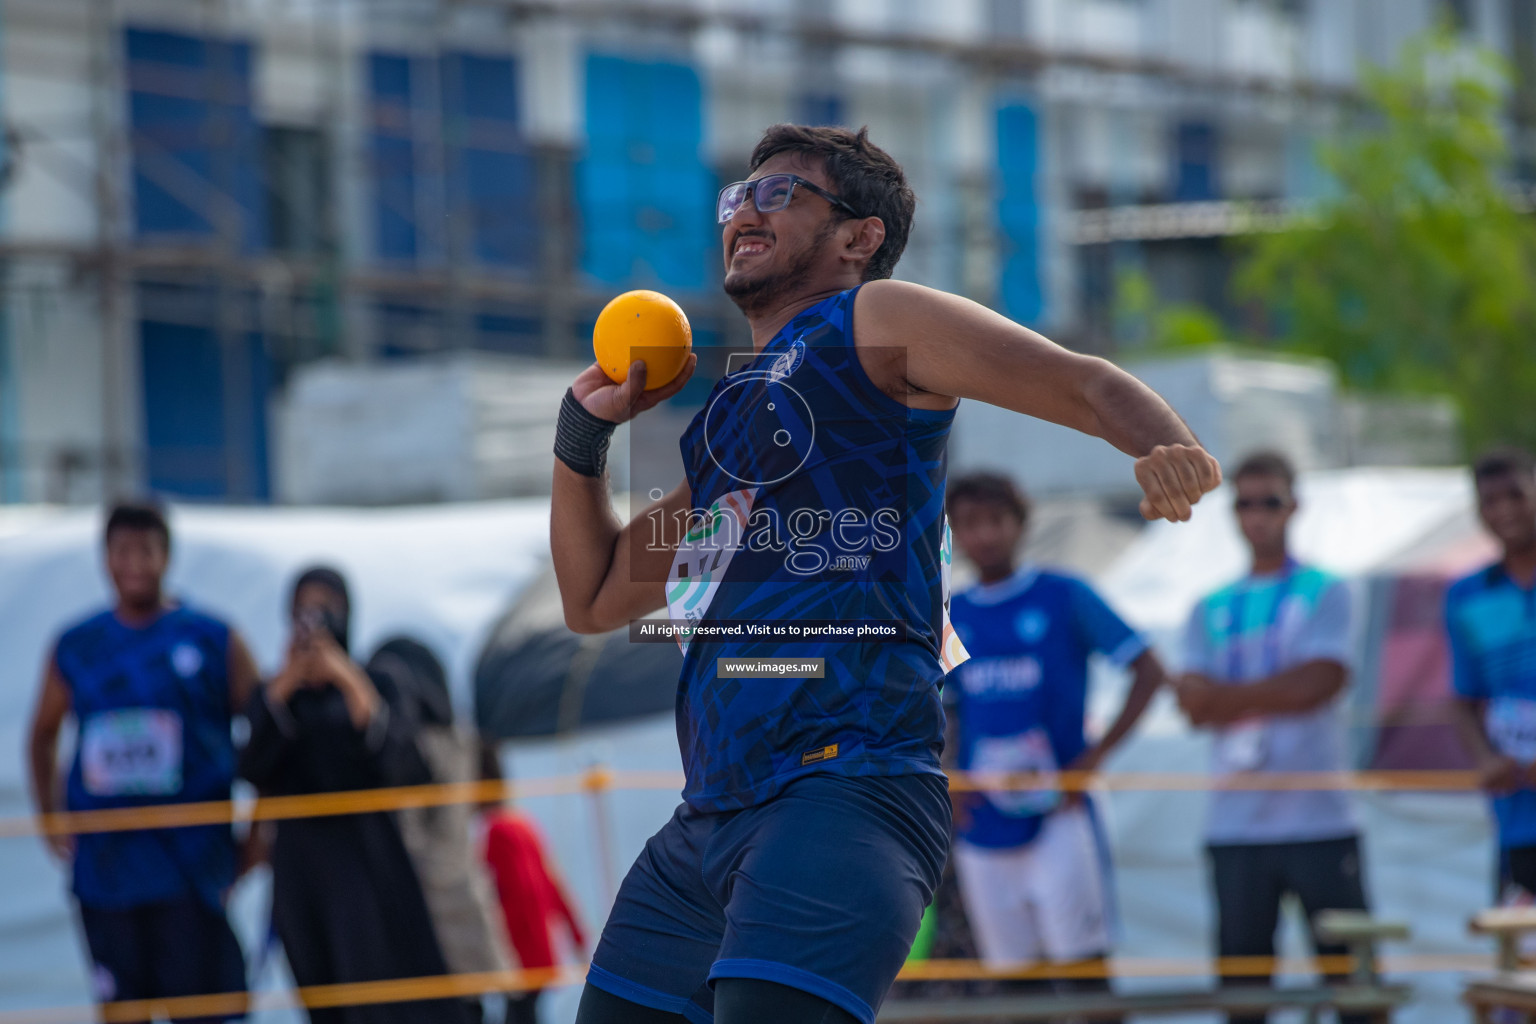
(815, 497)
(1021, 699)
(153, 709)
(1491, 621)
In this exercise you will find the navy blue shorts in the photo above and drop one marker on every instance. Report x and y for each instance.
(820, 888)
(181, 948)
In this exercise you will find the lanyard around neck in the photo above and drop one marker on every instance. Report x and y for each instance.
(1271, 650)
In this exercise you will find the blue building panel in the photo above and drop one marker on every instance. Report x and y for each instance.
(1021, 290)
(820, 109)
(389, 79)
(495, 185)
(183, 410)
(394, 197)
(186, 409)
(392, 149)
(482, 87)
(490, 194)
(645, 195)
(1197, 157)
(194, 140)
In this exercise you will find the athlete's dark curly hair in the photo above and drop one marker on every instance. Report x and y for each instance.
(863, 175)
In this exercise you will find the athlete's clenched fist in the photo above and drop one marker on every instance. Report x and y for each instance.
(1173, 477)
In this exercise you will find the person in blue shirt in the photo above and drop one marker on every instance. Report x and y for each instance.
(1490, 617)
(790, 882)
(1266, 659)
(153, 686)
(1031, 864)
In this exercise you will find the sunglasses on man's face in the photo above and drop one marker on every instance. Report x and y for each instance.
(1269, 503)
(770, 193)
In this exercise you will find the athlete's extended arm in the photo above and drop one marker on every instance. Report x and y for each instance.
(53, 703)
(610, 572)
(958, 348)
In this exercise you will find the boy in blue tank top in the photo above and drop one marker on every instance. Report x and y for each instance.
(809, 527)
(1490, 617)
(1032, 867)
(153, 687)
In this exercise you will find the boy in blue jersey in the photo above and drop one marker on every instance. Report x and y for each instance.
(815, 820)
(1491, 619)
(1033, 871)
(153, 686)
(1265, 660)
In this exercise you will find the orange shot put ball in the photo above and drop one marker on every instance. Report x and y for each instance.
(643, 325)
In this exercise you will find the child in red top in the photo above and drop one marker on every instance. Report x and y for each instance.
(532, 898)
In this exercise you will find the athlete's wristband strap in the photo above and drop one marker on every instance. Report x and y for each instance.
(581, 439)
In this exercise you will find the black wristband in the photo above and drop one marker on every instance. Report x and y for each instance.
(581, 439)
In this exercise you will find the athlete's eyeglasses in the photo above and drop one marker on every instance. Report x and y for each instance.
(1269, 503)
(770, 193)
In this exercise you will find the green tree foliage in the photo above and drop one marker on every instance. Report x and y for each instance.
(1419, 275)
(1144, 320)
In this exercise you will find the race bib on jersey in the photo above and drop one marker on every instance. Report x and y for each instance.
(131, 752)
(1026, 753)
(1511, 723)
(704, 554)
(1241, 747)
(952, 652)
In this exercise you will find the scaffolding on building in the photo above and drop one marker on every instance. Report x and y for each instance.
(309, 286)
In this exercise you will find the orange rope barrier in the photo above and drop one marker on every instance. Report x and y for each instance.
(447, 986)
(461, 985)
(319, 805)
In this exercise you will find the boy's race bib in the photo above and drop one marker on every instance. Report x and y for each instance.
(1241, 747)
(131, 752)
(1511, 723)
(1028, 753)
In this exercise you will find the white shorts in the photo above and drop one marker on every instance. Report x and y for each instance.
(1048, 900)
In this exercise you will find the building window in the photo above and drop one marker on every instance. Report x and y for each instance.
(821, 109)
(1197, 151)
(298, 183)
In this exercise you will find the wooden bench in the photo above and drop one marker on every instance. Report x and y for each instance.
(1511, 989)
(1362, 993)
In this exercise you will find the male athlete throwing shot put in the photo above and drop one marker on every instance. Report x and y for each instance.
(815, 819)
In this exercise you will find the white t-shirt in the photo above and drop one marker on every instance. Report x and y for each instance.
(1254, 628)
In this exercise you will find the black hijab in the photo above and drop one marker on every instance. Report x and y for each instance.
(419, 677)
(325, 576)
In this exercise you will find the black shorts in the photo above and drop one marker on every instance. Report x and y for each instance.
(1251, 881)
(162, 950)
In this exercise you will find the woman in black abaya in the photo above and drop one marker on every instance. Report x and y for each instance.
(346, 900)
